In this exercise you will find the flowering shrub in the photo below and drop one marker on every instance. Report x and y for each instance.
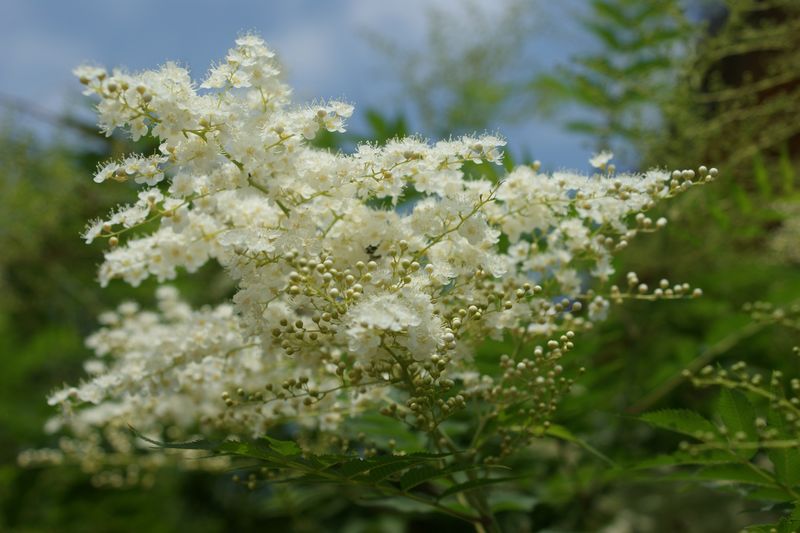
(366, 283)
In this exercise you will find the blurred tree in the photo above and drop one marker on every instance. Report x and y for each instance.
(467, 76)
(478, 69)
(739, 99)
(620, 86)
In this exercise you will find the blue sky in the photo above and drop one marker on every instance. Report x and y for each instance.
(322, 43)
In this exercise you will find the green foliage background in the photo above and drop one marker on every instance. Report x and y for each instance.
(672, 83)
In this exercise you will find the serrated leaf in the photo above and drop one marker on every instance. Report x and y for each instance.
(380, 473)
(475, 484)
(354, 467)
(285, 456)
(428, 455)
(383, 465)
(310, 477)
(790, 523)
(787, 465)
(428, 472)
(681, 421)
(283, 447)
(739, 417)
(266, 447)
(418, 475)
(786, 461)
(396, 504)
(256, 450)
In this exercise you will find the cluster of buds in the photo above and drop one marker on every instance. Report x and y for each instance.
(664, 291)
(783, 400)
(769, 313)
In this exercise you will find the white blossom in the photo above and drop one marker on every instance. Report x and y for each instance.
(352, 270)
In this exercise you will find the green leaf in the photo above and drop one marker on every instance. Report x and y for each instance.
(475, 484)
(419, 475)
(612, 13)
(396, 504)
(786, 461)
(428, 455)
(607, 36)
(255, 450)
(768, 494)
(739, 417)
(379, 468)
(646, 65)
(430, 472)
(264, 448)
(790, 523)
(354, 467)
(311, 478)
(382, 472)
(787, 465)
(682, 421)
(283, 447)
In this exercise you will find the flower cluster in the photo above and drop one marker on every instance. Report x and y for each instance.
(365, 281)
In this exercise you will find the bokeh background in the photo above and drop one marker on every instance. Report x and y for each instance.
(661, 82)
(329, 49)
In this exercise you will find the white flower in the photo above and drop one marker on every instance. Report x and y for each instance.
(342, 277)
(601, 159)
